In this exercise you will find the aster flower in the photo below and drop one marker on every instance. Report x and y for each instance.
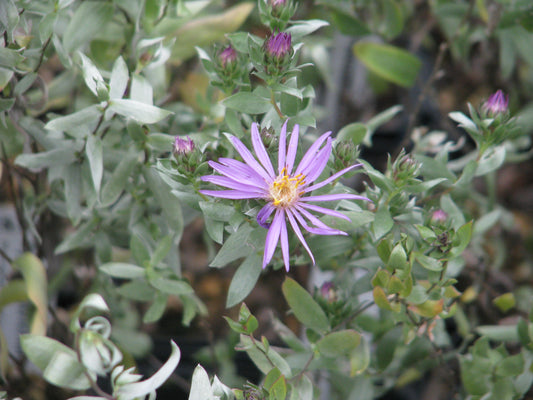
(285, 191)
(497, 103)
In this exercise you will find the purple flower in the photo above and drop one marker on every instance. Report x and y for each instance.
(497, 103)
(183, 147)
(227, 56)
(278, 45)
(277, 3)
(285, 191)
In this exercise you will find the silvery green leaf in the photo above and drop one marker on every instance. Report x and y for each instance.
(139, 389)
(200, 385)
(93, 78)
(94, 152)
(118, 82)
(144, 113)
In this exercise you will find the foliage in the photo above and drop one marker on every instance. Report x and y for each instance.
(104, 160)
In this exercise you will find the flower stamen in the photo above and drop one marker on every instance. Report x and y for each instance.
(284, 190)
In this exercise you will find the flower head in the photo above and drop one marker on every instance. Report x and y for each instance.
(285, 191)
(183, 147)
(227, 57)
(497, 103)
(278, 46)
(439, 216)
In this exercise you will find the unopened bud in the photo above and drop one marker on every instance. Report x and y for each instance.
(496, 104)
(228, 57)
(278, 46)
(439, 216)
(183, 147)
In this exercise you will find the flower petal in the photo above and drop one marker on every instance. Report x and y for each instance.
(323, 229)
(309, 156)
(260, 150)
(298, 233)
(230, 167)
(249, 159)
(282, 150)
(331, 178)
(230, 194)
(231, 183)
(293, 148)
(323, 210)
(315, 168)
(335, 196)
(284, 239)
(273, 236)
(263, 215)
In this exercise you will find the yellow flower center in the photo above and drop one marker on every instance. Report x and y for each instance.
(284, 191)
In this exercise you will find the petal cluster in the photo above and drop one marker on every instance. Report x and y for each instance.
(497, 103)
(285, 189)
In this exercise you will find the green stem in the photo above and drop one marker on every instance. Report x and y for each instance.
(273, 102)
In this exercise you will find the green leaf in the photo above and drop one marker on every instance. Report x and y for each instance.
(200, 385)
(94, 152)
(398, 258)
(348, 24)
(79, 124)
(244, 279)
(461, 240)
(88, 20)
(47, 159)
(118, 82)
(163, 247)
(118, 180)
(264, 358)
(386, 347)
(122, 270)
(169, 203)
(93, 77)
(234, 247)
(389, 62)
(360, 358)
(505, 302)
(59, 363)
(383, 222)
(141, 112)
(428, 262)
(355, 132)
(203, 31)
(305, 309)
(171, 286)
(10, 58)
(339, 344)
(248, 102)
(303, 28)
(72, 177)
(36, 281)
(140, 389)
(156, 310)
(511, 366)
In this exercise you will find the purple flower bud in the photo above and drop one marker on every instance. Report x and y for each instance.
(439, 216)
(183, 147)
(278, 3)
(327, 291)
(278, 46)
(228, 56)
(497, 103)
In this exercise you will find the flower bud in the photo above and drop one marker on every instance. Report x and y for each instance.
(439, 216)
(496, 104)
(183, 147)
(345, 153)
(328, 292)
(278, 46)
(278, 53)
(269, 138)
(228, 57)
